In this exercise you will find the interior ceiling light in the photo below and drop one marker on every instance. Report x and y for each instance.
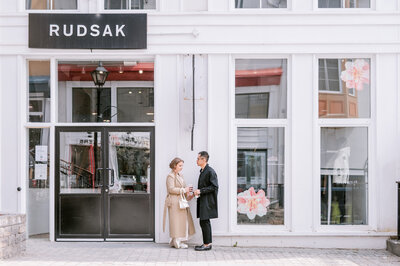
(121, 70)
(140, 71)
(130, 92)
(83, 70)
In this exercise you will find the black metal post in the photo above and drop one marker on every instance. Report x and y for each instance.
(95, 147)
(398, 210)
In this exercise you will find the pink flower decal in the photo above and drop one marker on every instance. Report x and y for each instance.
(356, 74)
(252, 203)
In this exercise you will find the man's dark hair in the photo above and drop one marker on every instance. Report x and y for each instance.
(204, 154)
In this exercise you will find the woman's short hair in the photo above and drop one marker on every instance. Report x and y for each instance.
(174, 162)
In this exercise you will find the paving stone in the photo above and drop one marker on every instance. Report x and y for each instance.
(40, 251)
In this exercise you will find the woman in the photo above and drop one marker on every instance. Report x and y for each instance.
(180, 220)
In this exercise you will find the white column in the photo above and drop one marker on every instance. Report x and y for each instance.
(166, 117)
(382, 184)
(303, 104)
(9, 136)
(218, 135)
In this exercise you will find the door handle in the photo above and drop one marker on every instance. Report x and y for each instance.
(97, 173)
(112, 175)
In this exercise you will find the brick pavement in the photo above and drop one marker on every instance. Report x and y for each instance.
(43, 252)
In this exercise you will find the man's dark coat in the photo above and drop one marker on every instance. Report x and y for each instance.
(207, 207)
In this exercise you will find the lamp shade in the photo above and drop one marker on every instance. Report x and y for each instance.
(99, 75)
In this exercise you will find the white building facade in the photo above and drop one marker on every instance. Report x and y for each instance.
(296, 102)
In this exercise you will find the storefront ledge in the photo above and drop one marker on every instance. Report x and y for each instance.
(393, 245)
(304, 241)
(313, 234)
(12, 234)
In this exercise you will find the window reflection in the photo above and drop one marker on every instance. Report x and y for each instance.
(51, 4)
(260, 176)
(129, 4)
(80, 157)
(135, 104)
(344, 175)
(39, 91)
(85, 108)
(129, 159)
(38, 194)
(344, 3)
(127, 95)
(261, 88)
(262, 3)
(344, 88)
(38, 158)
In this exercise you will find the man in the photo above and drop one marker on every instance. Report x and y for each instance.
(206, 199)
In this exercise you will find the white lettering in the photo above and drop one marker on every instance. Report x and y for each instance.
(119, 30)
(54, 29)
(79, 32)
(71, 30)
(107, 31)
(95, 30)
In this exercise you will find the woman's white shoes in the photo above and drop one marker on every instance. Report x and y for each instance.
(183, 245)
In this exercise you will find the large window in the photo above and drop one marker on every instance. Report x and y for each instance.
(344, 4)
(260, 176)
(38, 180)
(261, 3)
(261, 88)
(129, 4)
(344, 88)
(260, 96)
(344, 175)
(126, 96)
(51, 4)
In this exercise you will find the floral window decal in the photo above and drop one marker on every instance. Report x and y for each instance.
(356, 74)
(252, 203)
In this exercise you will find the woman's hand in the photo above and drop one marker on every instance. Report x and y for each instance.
(189, 196)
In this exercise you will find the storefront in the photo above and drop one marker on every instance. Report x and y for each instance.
(297, 104)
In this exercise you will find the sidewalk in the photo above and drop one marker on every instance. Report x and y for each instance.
(43, 252)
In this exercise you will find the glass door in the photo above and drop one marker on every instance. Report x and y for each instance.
(130, 171)
(104, 183)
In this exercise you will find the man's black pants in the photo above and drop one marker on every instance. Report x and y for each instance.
(206, 230)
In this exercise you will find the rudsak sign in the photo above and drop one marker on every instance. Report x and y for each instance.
(88, 31)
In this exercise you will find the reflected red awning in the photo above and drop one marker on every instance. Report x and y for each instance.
(258, 77)
(73, 72)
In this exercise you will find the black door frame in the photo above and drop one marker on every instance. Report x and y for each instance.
(104, 236)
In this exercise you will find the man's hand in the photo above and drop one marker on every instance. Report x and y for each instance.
(197, 192)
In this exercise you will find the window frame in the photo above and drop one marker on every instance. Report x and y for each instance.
(234, 124)
(77, 10)
(101, 3)
(327, 81)
(25, 125)
(232, 8)
(369, 123)
(113, 85)
(343, 9)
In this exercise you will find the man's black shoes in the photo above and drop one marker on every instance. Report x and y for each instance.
(202, 248)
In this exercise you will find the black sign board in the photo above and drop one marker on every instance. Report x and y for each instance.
(88, 31)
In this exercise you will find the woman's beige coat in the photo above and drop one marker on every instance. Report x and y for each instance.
(177, 216)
